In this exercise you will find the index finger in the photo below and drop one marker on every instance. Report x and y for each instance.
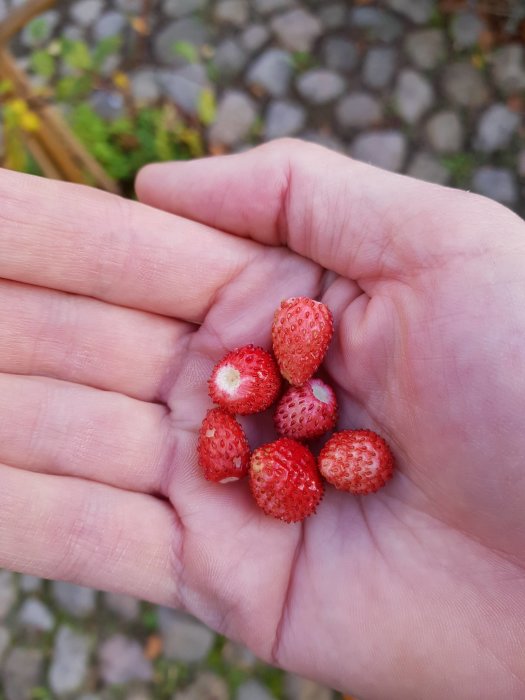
(78, 239)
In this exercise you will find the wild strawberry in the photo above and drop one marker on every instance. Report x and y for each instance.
(284, 480)
(245, 381)
(358, 461)
(302, 330)
(224, 453)
(306, 411)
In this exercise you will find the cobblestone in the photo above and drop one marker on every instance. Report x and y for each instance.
(445, 132)
(426, 48)
(358, 110)
(297, 30)
(413, 96)
(386, 149)
(272, 72)
(497, 126)
(465, 86)
(379, 67)
(284, 118)
(319, 86)
(122, 660)
(497, 183)
(69, 664)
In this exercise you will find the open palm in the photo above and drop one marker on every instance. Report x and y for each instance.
(113, 315)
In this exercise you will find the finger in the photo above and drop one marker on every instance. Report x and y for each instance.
(64, 528)
(83, 340)
(67, 429)
(352, 218)
(103, 246)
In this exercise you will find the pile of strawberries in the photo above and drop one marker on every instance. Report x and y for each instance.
(285, 478)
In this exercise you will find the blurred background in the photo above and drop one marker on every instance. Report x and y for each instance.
(91, 90)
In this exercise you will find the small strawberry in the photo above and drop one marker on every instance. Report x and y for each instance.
(302, 330)
(306, 411)
(358, 461)
(223, 449)
(284, 480)
(245, 381)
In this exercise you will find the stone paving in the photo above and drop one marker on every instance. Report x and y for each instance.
(397, 83)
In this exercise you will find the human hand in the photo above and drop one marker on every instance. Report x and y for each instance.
(414, 591)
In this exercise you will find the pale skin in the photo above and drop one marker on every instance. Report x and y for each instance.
(112, 314)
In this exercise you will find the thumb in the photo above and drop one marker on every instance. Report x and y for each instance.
(352, 218)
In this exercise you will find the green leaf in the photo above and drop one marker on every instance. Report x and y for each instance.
(105, 48)
(6, 86)
(207, 107)
(43, 63)
(38, 30)
(77, 55)
(187, 50)
(73, 87)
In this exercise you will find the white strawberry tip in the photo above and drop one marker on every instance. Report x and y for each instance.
(229, 479)
(321, 391)
(228, 379)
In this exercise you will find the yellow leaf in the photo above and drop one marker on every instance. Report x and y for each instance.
(18, 107)
(121, 80)
(30, 122)
(140, 25)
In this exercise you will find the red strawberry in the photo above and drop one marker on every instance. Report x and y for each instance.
(223, 449)
(245, 381)
(358, 461)
(302, 330)
(306, 411)
(284, 480)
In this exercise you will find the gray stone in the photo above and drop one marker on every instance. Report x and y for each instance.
(109, 104)
(426, 48)
(254, 37)
(508, 68)
(419, 11)
(122, 660)
(272, 71)
(445, 132)
(73, 32)
(5, 641)
(145, 86)
(376, 23)
(266, 7)
(85, 12)
(236, 115)
(497, 183)
(22, 671)
(30, 584)
(325, 139)
(413, 96)
(69, 663)
(207, 686)
(234, 12)
(379, 66)
(181, 8)
(357, 111)
(189, 30)
(184, 638)
(132, 7)
(36, 616)
(8, 593)
(425, 166)
(302, 689)
(253, 690)
(229, 59)
(47, 23)
(333, 16)
(497, 126)
(466, 29)
(124, 606)
(386, 149)
(340, 54)
(464, 85)
(319, 86)
(283, 118)
(184, 86)
(76, 600)
(297, 30)
(3, 10)
(110, 24)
